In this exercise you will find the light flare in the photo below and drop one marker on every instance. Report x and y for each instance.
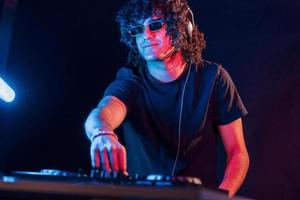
(7, 94)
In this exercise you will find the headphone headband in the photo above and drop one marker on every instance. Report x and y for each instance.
(191, 24)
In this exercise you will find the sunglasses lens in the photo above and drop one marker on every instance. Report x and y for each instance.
(136, 30)
(155, 26)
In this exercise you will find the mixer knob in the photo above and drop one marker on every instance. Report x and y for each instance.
(139, 177)
(168, 178)
(136, 176)
(155, 177)
(186, 180)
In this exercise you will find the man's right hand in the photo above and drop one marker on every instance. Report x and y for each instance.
(109, 154)
(106, 151)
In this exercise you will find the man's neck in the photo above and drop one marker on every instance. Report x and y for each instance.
(168, 69)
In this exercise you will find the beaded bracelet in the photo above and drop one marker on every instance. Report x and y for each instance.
(103, 132)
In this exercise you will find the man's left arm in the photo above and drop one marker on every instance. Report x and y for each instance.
(237, 156)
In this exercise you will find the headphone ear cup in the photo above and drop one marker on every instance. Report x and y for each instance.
(190, 29)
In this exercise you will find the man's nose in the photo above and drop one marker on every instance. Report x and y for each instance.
(148, 33)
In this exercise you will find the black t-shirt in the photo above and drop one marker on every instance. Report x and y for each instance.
(151, 127)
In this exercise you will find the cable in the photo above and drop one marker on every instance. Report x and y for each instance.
(179, 123)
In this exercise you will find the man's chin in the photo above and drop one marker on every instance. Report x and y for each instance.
(154, 57)
(159, 56)
(151, 57)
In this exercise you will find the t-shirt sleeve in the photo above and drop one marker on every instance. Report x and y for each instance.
(229, 105)
(124, 87)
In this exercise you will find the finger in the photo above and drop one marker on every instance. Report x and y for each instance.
(95, 158)
(122, 160)
(113, 158)
(105, 159)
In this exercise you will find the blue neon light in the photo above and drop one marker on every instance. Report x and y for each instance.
(7, 94)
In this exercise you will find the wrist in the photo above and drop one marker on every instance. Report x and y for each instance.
(101, 132)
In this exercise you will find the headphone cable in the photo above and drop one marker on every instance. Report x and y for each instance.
(179, 123)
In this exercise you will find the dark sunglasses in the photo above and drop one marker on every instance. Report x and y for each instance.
(139, 29)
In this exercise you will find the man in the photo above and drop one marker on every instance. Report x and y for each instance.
(168, 100)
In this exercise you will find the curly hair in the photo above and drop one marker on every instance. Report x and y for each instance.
(177, 16)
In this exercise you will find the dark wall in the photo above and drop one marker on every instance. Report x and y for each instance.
(64, 53)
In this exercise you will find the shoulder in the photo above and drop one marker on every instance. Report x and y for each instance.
(213, 66)
(209, 69)
(127, 72)
(221, 74)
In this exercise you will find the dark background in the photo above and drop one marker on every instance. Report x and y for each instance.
(63, 54)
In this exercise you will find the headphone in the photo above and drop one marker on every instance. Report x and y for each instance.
(190, 25)
(189, 28)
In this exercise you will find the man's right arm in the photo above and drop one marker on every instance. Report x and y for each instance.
(106, 151)
(109, 114)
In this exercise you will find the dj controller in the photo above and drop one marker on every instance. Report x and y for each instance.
(98, 184)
